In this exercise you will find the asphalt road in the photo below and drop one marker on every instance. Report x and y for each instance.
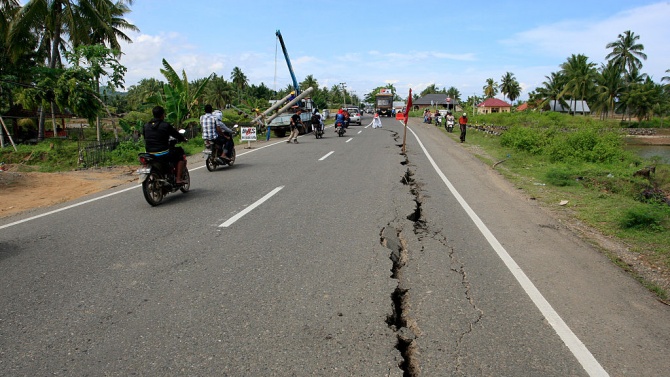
(339, 256)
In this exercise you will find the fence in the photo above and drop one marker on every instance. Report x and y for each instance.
(94, 153)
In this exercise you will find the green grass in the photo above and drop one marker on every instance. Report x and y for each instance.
(600, 188)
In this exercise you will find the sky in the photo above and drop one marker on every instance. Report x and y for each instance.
(367, 44)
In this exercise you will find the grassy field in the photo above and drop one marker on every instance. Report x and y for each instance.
(581, 161)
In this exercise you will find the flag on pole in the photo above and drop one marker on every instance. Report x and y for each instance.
(408, 106)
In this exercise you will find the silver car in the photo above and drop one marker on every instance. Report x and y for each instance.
(354, 115)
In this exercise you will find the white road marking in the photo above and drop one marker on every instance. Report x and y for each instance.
(326, 156)
(360, 131)
(350, 139)
(578, 349)
(260, 201)
(68, 207)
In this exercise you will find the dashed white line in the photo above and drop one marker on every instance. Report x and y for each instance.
(326, 156)
(260, 201)
(350, 139)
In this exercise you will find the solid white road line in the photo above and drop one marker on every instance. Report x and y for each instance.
(326, 156)
(68, 207)
(578, 349)
(112, 194)
(260, 201)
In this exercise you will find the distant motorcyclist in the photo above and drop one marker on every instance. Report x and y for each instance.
(157, 135)
(317, 121)
(339, 118)
(213, 129)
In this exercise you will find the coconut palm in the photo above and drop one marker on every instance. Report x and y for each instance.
(310, 82)
(610, 85)
(507, 82)
(219, 92)
(491, 88)
(514, 91)
(239, 80)
(114, 25)
(666, 78)
(61, 25)
(627, 52)
(552, 90)
(454, 94)
(580, 74)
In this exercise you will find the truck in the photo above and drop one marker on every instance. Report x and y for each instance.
(281, 124)
(384, 102)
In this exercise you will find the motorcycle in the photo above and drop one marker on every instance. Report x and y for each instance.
(158, 177)
(340, 129)
(450, 125)
(211, 153)
(438, 120)
(318, 131)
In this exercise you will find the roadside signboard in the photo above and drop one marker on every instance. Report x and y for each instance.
(248, 134)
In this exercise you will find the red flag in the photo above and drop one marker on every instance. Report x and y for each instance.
(408, 106)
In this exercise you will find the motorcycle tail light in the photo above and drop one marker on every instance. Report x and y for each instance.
(143, 160)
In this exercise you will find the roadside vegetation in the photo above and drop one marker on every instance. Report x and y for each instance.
(582, 162)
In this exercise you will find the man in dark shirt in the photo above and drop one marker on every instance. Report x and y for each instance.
(157, 141)
(295, 121)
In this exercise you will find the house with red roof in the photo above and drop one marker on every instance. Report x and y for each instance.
(493, 105)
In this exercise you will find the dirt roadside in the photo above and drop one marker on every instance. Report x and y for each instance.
(23, 191)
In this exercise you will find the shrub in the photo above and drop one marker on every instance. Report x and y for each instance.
(524, 139)
(560, 176)
(643, 217)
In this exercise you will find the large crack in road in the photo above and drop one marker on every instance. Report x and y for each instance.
(394, 237)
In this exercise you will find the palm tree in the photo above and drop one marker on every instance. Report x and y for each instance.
(430, 89)
(552, 90)
(454, 94)
(219, 92)
(491, 88)
(507, 83)
(514, 91)
(610, 86)
(239, 80)
(627, 52)
(62, 25)
(666, 78)
(580, 74)
(310, 82)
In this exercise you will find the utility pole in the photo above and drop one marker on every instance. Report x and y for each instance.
(344, 95)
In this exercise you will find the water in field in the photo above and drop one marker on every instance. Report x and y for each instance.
(649, 151)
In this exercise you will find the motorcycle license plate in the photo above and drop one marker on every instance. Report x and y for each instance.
(143, 173)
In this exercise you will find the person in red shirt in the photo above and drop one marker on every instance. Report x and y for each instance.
(463, 122)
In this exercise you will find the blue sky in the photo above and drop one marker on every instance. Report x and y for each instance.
(367, 44)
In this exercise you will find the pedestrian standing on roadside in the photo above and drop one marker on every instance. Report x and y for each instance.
(463, 122)
(295, 121)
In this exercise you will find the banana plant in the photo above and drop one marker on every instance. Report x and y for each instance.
(178, 98)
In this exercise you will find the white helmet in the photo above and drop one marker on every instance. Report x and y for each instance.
(217, 114)
(464, 114)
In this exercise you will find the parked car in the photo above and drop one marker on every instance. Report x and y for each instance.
(354, 115)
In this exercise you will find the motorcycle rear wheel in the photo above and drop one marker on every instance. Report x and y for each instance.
(232, 158)
(186, 177)
(152, 189)
(209, 163)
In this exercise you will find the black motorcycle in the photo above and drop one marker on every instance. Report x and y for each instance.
(158, 177)
(211, 153)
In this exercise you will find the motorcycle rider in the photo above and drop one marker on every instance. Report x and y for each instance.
(450, 122)
(317, 121)
(213, 129)
(339, 118)
(157, 135)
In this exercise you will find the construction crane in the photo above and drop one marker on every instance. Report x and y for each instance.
(288, 62)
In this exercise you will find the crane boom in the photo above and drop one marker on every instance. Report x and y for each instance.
(288, 62)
